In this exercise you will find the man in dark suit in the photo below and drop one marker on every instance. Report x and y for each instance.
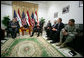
(51, 30)
(14, 27)
(56, 30)
(26, 26)
(37, 28)
(48, 28)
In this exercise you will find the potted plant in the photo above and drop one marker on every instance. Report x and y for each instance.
(5, 21)
(42, 21)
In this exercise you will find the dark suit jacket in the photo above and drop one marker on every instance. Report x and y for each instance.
(54, 26)
(16, 23)
(59, 27)
(48, 25)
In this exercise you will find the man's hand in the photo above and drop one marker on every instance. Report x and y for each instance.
(48, 28)
(65, 33)
(54, 29)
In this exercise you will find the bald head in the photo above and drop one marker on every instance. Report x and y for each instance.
(14, 20)
(55, 22)
(49, 21)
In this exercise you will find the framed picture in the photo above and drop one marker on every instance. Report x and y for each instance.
(55, 14)
(65, 9)
(80, 3)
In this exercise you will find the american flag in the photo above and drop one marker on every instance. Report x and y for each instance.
(32, 20)
(23, 19)
(15, 15)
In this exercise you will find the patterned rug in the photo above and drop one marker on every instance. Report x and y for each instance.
(29, 47)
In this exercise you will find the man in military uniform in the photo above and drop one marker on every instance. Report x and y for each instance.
(69, 32)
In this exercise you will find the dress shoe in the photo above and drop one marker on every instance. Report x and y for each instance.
(48, 38)
(58, 44)
(63, 45)
(53, 42)
(31, 35)
(13, 37)
(37, 36)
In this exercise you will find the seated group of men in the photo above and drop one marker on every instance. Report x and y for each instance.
(13, 28)
(58, 31)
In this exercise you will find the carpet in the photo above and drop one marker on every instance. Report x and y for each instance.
(29, 47)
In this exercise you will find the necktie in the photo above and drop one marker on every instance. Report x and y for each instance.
(58, 26)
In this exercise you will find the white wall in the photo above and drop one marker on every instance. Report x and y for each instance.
(47, 11)
(6, 10)
(42, 11)
(51, 10)
(75, 12)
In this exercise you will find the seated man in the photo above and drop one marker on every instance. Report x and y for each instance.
(26, 26)
(68, 32)
(56, 30)
(36, 28)
(14, 27)
(51, 32)
(48, 28)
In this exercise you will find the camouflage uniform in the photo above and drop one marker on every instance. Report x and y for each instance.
(71, 33)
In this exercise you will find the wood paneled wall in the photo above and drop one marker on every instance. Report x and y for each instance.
(24, 6)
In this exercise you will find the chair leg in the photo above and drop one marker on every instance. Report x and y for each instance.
(7, 34)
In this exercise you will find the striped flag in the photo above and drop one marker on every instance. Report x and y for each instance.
(28, 18)
(36, 17)
(28, 21)
(32, 20)
(15, 15)
(23, 19)
(19, 18)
